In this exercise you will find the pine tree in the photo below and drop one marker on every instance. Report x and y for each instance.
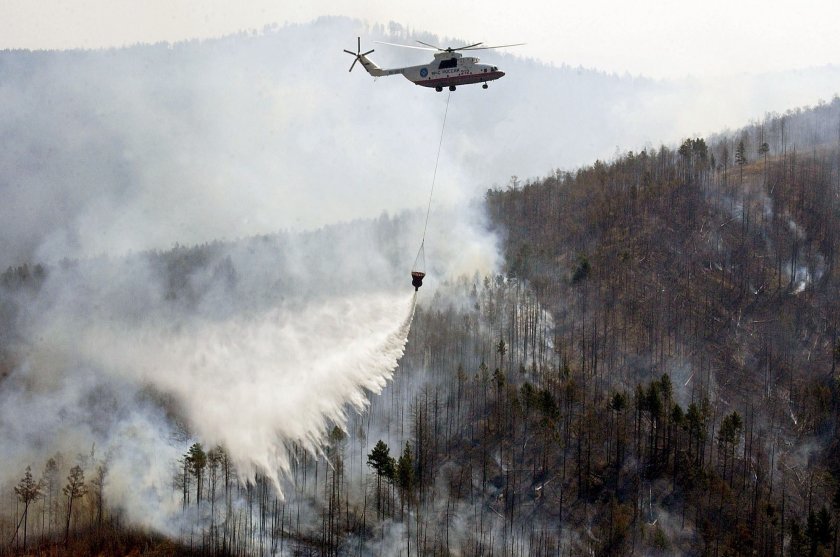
(501, 350)
(74, 489)
(729, 436)
(741, 159)
(50, 481)
(99, 484)
(383, 464)
(27, 491)
(196, 460)
(763, 149)
(405, 475)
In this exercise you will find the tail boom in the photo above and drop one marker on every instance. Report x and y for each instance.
(375, 70)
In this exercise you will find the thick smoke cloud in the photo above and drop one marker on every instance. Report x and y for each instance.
(257, 342)
(252, 345)
(118, 150)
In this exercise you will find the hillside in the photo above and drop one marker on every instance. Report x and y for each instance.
(654, 372)
(710, 266)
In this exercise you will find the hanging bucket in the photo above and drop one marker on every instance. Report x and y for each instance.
(417, 279)
(419, 267)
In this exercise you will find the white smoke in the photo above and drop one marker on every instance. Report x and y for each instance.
(254, 345)
(253, 382)
(138, 148)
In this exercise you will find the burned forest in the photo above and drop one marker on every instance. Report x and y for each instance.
(651, 370)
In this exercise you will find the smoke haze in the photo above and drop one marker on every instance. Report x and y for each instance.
(268, 340)
(253, 345)
(117, 150)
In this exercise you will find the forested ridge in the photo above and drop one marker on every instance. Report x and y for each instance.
(654, 372)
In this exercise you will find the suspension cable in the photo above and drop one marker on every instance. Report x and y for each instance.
(434, 177)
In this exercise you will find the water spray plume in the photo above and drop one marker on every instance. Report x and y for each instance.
(257, 384)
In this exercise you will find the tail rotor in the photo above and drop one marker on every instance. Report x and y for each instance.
(358, 54)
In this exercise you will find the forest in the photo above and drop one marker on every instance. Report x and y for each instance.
(652, 372)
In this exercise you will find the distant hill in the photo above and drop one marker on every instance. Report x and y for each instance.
(120, 150)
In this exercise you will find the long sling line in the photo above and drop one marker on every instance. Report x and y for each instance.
(434, 177)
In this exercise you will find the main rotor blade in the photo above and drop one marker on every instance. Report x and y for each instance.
(406, 46)
(487, 47)
(467, 47)
(430, 45)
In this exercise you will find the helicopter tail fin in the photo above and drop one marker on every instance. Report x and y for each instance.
(370, 67)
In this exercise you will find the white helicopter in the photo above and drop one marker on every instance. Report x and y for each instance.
(449, 68)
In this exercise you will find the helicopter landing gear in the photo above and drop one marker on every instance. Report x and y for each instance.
(484, 86)
(438, 89)
(451, 87)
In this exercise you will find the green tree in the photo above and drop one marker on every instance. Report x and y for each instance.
(99, 485)
(724, 159)
(763, 149)
(618, 404)
(729, 435)
(380, 460)
(582, 270)
(383, 464)
(741, 159)
(693, 151)
(215, 461)
(696, 425)
(677, 424)
(74, 489)
(27, 490)
(196, 460)
(501, 350)
(405, 475)
(548, 407)
(51, 481)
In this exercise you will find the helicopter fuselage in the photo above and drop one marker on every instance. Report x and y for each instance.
(452, 70)
(448, 69)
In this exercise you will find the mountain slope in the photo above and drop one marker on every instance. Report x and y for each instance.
(714, 268)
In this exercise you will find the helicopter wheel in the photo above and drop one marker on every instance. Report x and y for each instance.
(484, 86)
(451, 87)
(438, 89)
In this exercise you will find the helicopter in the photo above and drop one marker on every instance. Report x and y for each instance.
(449, 68)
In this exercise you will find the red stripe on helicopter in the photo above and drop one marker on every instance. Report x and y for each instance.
(460, 79)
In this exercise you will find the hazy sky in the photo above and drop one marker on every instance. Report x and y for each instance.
(658, 38)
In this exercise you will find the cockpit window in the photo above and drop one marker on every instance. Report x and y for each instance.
(450, 63)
